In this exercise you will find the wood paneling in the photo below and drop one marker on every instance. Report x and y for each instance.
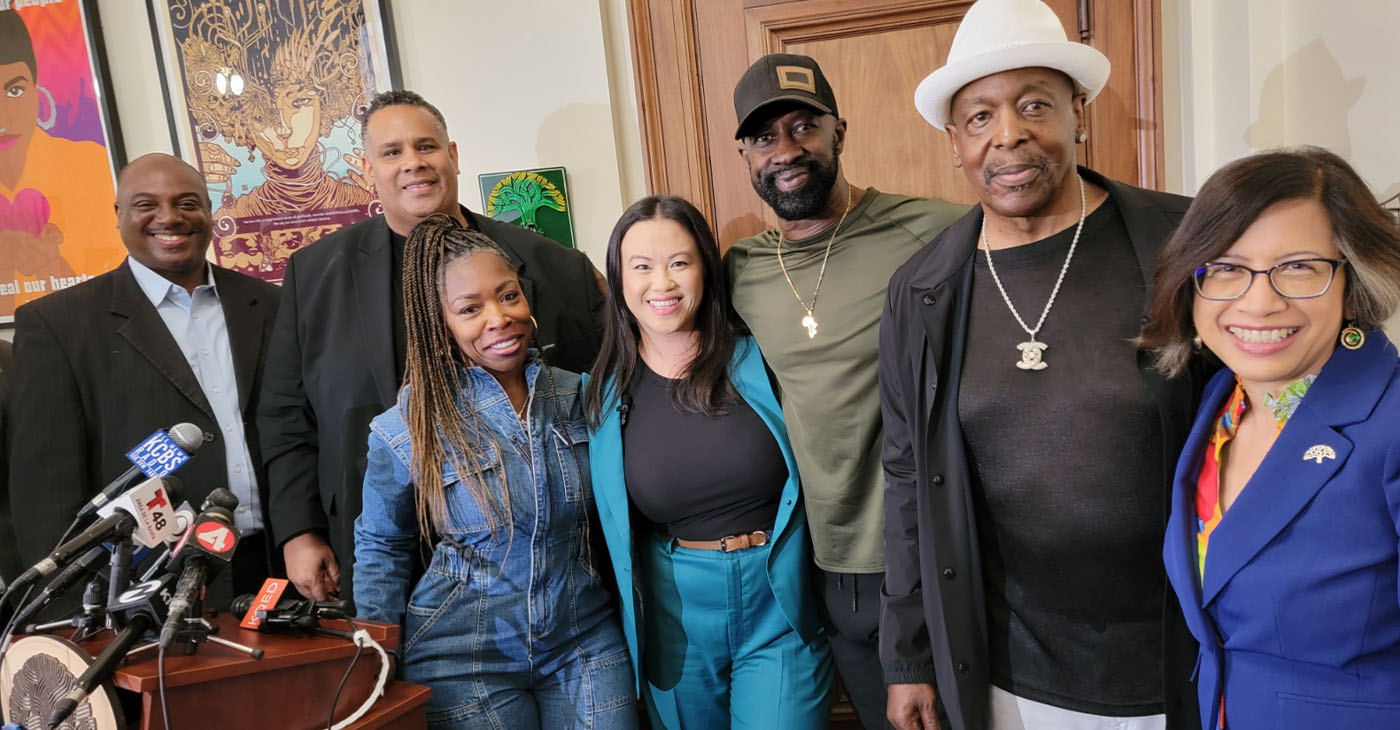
(690, 53)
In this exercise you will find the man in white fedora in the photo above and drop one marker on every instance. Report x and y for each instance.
(1028, 444)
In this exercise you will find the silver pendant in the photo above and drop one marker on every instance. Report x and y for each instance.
(810, 322)
(1032, 355)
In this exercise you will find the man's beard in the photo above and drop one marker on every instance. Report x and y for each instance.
(804, 202)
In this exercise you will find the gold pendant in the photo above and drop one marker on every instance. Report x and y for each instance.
(1032, 355)
(810, 322)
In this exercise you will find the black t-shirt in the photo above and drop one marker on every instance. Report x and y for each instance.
(1067, 468)
(696, 477)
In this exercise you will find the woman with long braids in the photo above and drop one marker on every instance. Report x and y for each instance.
(698, 490)
(484, 460)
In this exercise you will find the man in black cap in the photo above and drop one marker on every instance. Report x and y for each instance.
(812, 291)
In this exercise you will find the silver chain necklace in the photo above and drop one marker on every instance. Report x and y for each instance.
(1033, 351)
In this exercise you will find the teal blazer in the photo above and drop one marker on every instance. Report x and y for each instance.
(789, 559)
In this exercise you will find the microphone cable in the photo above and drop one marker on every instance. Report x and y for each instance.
(359, 647)
(361, 639)
(8, 633)
(160, 679)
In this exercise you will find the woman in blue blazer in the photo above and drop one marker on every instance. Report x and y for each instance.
(697, 490)
(1285, 515)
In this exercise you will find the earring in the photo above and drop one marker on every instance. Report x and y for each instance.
(533, 324)
(1081, 136)
(1196, 342)
(1352, 337)
(47, 124)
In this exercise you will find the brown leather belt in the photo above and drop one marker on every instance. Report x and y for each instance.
(728, 544)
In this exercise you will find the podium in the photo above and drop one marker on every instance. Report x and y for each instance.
(218, 688)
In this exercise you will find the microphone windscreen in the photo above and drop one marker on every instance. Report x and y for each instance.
(241, 604)
(221, 497)
(187, 436)
(174, 488)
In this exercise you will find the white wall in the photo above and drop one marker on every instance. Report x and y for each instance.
(1256, 74)
(523, 84)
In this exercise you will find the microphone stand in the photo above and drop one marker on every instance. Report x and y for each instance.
(195, 631)
(119, 569)
(100, 669)
(89, 621)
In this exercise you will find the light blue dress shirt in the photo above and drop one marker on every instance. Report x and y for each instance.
(196, 321)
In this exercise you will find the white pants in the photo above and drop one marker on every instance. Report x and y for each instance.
(1009, 712)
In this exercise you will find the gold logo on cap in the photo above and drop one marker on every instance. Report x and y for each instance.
(796, 77)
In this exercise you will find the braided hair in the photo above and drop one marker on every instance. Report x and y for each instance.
(442, 422)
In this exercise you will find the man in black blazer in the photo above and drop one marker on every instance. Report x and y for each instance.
(101, 365)
(337, 355)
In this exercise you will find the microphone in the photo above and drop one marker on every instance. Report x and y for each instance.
(143, 513)
(152, 560)
(211, 537)
(142, 606)
(267, 611)
(152, 502)
(294, 613)
(65, 579)
(157, 456)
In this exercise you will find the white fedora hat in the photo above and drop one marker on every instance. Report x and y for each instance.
(1001, 35)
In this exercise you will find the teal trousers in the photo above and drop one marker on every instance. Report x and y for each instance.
(718, 652)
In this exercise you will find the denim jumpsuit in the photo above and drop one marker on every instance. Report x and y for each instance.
(510, 628)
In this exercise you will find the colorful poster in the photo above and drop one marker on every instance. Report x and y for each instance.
(534, 199)
(58, 152)
(266, 98)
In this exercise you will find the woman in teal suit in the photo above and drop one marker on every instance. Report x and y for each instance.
(697, 490)
(1285, 514)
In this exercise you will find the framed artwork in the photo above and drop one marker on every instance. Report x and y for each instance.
(59, 150)
(537, 200)
(266, 98)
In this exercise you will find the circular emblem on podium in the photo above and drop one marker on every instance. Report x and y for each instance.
(38, 671)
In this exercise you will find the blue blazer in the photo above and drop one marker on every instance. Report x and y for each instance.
(1299, 614)
(789, 557)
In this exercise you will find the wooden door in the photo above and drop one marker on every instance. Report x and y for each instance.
(689, 54)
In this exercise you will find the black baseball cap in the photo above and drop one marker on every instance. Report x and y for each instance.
(781, 77)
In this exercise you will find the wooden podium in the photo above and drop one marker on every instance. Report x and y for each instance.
(220, 688)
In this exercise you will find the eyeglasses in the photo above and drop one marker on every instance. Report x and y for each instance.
(1296, 279)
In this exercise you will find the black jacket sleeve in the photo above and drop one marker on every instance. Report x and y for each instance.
(904, 640)
(50, 466)
(287, 426)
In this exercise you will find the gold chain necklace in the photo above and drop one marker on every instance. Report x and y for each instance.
(809, 322)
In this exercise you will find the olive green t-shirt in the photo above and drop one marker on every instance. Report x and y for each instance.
(830, 392)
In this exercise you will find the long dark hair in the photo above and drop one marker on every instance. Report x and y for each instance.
(1229, 203)
(706, 387)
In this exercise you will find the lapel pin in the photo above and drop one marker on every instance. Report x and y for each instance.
(1319, 452)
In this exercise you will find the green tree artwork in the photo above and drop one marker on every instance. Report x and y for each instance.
(532, 199)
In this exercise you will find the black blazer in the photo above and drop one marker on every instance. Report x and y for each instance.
(933, 615)
(9, 551)
(331, 366)
(96, 371)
